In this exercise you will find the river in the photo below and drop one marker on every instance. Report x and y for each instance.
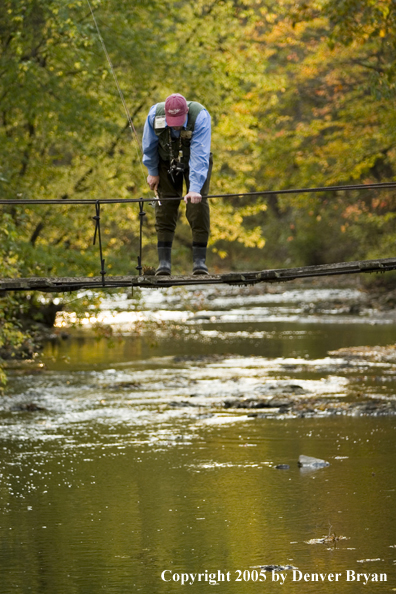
(128, 463)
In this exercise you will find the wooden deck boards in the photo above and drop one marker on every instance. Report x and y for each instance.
(66, 284)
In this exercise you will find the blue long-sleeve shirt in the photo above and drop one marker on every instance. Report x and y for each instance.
(199, 149)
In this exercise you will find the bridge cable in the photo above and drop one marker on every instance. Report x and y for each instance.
(320, 189)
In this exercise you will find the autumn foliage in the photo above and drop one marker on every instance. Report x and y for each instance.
(301, 94)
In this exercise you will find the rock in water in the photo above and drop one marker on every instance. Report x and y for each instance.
(310, 462)
(277, 567)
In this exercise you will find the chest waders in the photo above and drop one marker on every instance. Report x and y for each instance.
(173, 168)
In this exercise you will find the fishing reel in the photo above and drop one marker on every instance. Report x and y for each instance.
(176, 167)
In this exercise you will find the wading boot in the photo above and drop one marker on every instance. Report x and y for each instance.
(164, 256)
(199, 257)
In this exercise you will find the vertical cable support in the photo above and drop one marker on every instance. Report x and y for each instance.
(96, 218)
(142, 214)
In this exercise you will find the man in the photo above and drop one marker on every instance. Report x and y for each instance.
(176, 146)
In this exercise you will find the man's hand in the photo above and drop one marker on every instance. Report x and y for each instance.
(153, 181)
(194, 197)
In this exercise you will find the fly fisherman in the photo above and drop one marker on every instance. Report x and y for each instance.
(176, 146)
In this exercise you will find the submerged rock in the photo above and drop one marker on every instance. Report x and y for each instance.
(330, 538)
(124, 386)
(182, 404)
(281, 403)
(282, 467)
(299, 407)
(204, 416)
(257, 403)
(28, 407)
(199, 358)
(310, 462)
(277, 567)
(293, 389)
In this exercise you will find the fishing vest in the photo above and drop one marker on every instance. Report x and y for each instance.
(163, 132)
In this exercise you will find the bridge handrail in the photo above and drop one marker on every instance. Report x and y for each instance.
(349, 187)
(141, 201)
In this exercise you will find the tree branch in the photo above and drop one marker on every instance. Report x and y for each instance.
(28, 149)
(36, 233)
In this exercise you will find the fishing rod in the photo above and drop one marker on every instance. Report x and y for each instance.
(127, 112)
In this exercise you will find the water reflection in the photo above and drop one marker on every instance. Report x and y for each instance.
(101, 512)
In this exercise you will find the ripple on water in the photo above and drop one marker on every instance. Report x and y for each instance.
(136, 398)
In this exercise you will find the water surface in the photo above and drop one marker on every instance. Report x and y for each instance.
(120, 460)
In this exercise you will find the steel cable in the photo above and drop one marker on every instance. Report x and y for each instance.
(319, 189)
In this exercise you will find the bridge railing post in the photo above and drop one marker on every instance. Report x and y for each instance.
(142, 214)
(96, 218)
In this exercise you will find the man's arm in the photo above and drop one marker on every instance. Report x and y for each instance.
(150, 150)
(199, 156)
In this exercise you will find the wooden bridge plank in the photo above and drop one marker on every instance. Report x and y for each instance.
(66, 284)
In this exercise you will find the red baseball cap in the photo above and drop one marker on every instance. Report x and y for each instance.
(176, 109)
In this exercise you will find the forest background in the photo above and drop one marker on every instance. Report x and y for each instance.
(301, 93)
